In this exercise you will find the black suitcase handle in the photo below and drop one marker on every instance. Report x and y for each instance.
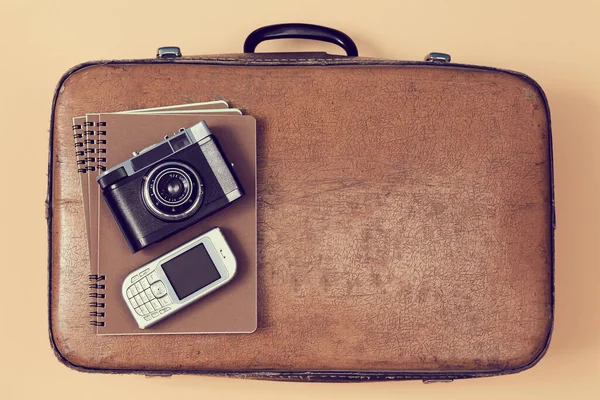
(300, 31)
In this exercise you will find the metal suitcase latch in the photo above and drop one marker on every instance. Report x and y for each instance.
(437, 57)
(168, 52)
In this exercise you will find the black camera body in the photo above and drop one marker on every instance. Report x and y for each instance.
(169, 186)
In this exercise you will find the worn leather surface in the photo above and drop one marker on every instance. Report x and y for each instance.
(404, 218)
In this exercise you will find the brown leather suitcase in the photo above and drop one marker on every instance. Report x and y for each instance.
(405, 215)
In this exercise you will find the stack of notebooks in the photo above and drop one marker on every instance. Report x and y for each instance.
(103, 140)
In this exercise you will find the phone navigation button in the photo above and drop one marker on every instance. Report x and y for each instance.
(158, 289)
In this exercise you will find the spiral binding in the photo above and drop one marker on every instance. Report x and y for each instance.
(101, 161)
(97, 295)
(89, 140)
(78, 144)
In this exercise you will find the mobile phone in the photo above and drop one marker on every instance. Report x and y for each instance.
(177, 279)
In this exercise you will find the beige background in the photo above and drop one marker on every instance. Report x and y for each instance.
(554, 42)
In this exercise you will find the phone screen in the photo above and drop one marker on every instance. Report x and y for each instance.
(191, 271)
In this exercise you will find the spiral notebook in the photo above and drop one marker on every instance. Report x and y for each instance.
(116, 135)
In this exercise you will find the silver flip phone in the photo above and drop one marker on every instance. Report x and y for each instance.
(182, 276)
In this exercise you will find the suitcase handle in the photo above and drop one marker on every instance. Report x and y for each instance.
(300, 31)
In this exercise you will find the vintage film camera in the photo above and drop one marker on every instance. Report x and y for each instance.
(169, 186)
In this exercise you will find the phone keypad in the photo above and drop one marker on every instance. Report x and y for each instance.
(155, 304)
(148, 295)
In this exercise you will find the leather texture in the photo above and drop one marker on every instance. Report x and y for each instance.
(405, 218)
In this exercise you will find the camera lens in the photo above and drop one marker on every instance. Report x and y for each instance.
(172, 191)
(174, 187)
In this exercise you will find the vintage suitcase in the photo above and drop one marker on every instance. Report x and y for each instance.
(405, 215)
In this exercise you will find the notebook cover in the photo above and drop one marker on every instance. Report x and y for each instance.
(231, 308)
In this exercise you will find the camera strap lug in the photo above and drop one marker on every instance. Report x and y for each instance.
(168, 52)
